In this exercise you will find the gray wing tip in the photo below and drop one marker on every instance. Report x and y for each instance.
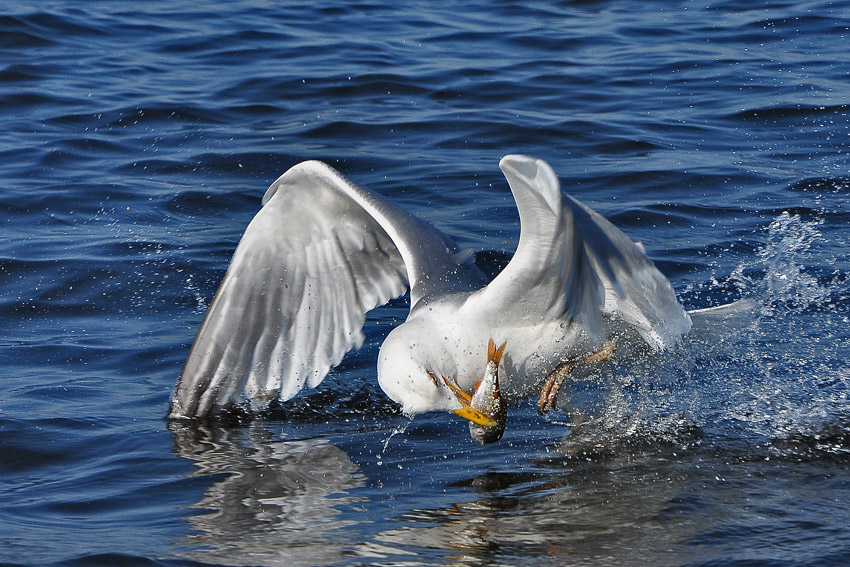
(527, 166)
(309, 168)
(534, 178)
(516, 158)
(180, 411)
(198, 404)
(177, 413)
(519, 165)
(312, 165)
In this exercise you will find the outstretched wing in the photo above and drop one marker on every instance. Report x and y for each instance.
(318, 255)
(571, 263)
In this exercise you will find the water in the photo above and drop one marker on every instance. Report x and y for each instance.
(137, 143)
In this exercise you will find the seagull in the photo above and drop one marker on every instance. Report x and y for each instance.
(322, 251)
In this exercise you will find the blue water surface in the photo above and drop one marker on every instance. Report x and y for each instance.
(138, 139)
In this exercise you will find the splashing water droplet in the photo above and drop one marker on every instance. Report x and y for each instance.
(395, 431)
(785, 285)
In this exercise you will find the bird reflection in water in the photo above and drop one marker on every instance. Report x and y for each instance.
(274, 501)
(592, 510)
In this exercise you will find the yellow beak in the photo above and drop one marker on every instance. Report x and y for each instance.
(467, 412)
(476, 416)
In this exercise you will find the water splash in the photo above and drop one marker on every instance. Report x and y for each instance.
(782, 283)
(766, 373)
(778, 373)
(395, 431)
(200, 301)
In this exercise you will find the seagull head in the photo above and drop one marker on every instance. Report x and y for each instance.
(412, 372)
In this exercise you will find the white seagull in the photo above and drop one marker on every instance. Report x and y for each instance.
(321, 252)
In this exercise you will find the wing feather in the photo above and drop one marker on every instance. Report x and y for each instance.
(319, 254)
(573, 264)
(635, 291)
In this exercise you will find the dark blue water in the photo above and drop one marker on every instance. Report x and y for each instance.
(137, 141)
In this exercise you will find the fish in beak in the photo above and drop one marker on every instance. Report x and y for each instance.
(486, 411)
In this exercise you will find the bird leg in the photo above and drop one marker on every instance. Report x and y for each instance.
(553, 382)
